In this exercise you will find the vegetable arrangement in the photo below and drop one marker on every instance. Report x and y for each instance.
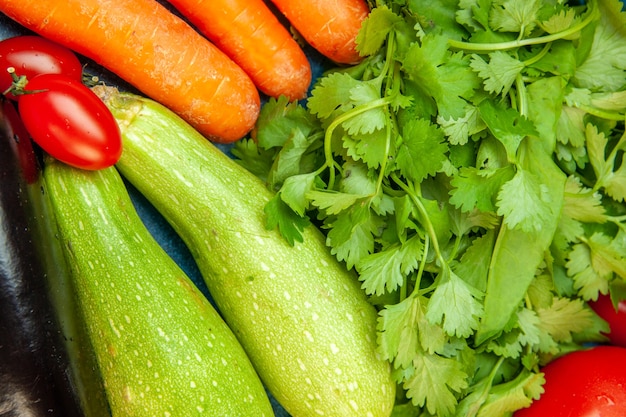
(466, 167)
(470, 169)
(299, 314)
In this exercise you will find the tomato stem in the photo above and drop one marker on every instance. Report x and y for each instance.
(18, 85)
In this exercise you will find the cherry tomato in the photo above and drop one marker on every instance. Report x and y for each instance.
(70, 122)
(584, 383)
(616, 318)
(32, 55)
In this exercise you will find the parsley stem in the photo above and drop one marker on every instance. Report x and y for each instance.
(541, 54)
(421, 268)
(619, 117)
(430, 229)
(500, 46)
(328, 151)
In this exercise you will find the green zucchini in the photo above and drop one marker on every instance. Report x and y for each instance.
(300, 315)
(161, 347)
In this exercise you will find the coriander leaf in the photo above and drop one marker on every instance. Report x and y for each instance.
(444, 76)
(570, 127)
(438, 16)
(515, 16)
(507, 125)
(607, 255)
(561, 21)
(560, 60)
(294, 190)
(525, 202)
(474, 264)
(613, 100)
(279, 119)
(385, 270)
(587, 280)
(478, 188)
(357, 179)
(612, 181)
(615, 183)
(596, 149)
(422, 150)
(372, 148)
(454, 304)
(292, 159)
(499, 73)
(581, 203)
(248, 154)
(432, 382)
(279, 215)
(545, 100)
(351, 234)
(328, 97)
(513, 395)
(375, 29)
(525, 333)
(398, 331)
(541, 291)
(474, 14)
(460, 129)
(375, 118)
(564, 317)
(604, 69)
(465, 223)
(332, 202)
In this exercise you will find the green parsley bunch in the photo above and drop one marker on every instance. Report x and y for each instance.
(471, 170)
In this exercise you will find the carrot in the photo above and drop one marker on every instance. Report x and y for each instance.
(330, 26)
(252, 36)
(157, 52)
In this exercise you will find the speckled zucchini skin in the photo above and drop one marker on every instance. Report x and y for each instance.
(161, 347)
(300, 315)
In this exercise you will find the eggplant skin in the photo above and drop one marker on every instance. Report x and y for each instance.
(34, 368)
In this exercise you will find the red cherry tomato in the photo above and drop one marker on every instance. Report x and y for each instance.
(34, 55)
(616, 318)
(582, 384)
(70, 122)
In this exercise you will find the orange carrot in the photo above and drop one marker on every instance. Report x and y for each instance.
(154, 50)
(330, 26)
(252, 36)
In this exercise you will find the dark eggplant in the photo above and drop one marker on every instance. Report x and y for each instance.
(45, 365)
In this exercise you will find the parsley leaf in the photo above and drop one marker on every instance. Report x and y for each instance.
(422, 151)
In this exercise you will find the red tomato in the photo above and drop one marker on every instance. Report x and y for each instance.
(587, 383)
(616, 318)
(70, 122)
(34, 55)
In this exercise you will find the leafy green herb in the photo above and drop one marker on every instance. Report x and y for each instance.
(471, 170)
